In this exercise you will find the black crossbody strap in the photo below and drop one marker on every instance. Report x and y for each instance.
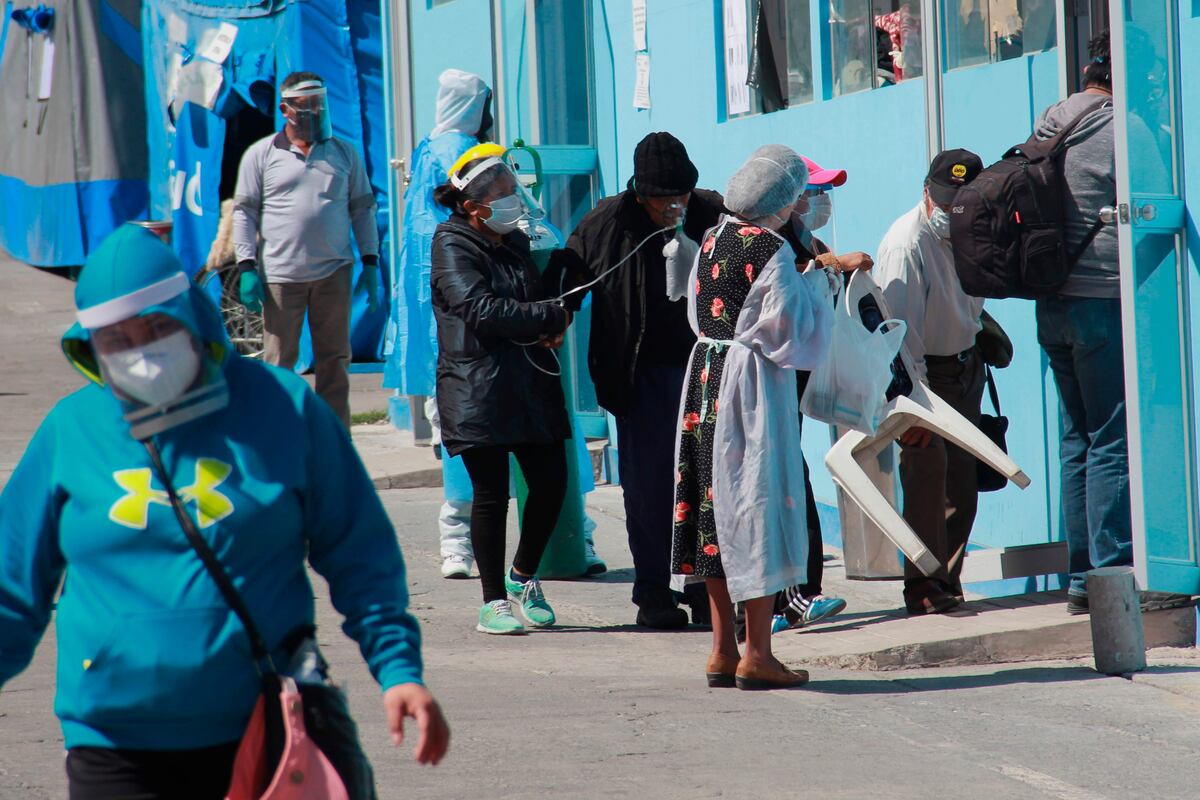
(991, 386)
(1092, 233)
(262, 656)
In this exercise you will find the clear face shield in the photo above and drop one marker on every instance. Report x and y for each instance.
(158, 371)
(813, 215)
(493, 183)
(307, 109)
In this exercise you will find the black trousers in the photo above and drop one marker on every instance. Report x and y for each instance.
(545, 469)
(816, 547)
(646, 438)
(99, 773)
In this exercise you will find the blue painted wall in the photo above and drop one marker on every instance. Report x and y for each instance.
(879, 136)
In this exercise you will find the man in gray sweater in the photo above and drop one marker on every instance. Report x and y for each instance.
(1080, 330)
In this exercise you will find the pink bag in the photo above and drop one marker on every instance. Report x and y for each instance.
(304, 773)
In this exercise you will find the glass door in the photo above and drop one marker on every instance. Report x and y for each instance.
(1155, 293)
(545, 98)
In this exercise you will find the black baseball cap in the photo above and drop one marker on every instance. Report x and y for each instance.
(950, 171)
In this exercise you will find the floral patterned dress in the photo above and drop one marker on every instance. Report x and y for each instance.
(729, 264)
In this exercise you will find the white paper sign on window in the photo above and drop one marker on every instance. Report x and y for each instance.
(737, 58)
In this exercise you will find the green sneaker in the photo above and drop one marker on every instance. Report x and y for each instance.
(497, 617)
(529, 597)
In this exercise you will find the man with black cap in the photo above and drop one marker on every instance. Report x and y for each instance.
(915, 268)
(639, 347)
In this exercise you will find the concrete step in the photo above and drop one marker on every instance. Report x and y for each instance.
(1032, 627)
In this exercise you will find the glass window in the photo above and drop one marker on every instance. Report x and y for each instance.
(798, 19)
(563, 72)
(982, 31)
(768, 55)
(873, 43)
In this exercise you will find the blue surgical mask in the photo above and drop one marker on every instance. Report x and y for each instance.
(506, 213)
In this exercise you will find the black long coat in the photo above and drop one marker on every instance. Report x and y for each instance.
(486, 302)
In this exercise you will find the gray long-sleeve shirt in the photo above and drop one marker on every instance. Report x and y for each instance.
(304, 209)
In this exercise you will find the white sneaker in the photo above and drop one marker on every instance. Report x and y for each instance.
(456, 567)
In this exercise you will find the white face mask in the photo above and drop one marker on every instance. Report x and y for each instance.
(506, 213)
(154, 373)
(939, 221)
(820, 210)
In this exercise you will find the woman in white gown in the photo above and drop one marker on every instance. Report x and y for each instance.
(740, 495)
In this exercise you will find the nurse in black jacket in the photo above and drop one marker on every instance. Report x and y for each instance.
(497, 386)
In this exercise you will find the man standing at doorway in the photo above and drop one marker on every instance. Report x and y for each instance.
(640, 344)
(1080, 330)
(302, 192)
(915, 269)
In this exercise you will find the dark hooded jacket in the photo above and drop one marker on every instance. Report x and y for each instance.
(487, 300)
(633, 322)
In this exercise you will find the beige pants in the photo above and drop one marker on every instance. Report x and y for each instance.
(327, 303)
(940, 490)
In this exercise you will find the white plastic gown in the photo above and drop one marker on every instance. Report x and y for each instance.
(758, 468)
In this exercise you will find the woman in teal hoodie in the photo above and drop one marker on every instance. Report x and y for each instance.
(155, 681)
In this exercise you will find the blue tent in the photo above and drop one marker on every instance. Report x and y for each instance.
(211, 68)
(72, 135)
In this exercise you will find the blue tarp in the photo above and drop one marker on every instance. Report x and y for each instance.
(341, 40)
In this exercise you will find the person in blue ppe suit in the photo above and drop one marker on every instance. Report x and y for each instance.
(155, 681)
(463, 120)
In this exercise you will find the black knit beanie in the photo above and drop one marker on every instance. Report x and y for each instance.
(661, 167)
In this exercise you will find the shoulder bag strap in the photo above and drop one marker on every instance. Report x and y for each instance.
(262, 656)
(991, 387)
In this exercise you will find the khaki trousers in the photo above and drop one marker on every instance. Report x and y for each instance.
(940, 489)
(327, 303)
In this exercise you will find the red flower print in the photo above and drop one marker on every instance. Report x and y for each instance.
(686, 568)
(704, 375)
(697, 286)
(691, 421)
(716, 406)
(750, 272)
(716, 270)
(718, 307)
(711, 550)
(708, 494)
(749, 230)
(678, 476)
(681, 512)
(709, 244)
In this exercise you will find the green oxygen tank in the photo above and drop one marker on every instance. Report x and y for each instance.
(566, 554)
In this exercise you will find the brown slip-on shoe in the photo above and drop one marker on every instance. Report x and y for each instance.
(752, 676)
(720, 670)
(938, 603)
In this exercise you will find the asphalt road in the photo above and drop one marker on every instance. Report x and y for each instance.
(598, 708)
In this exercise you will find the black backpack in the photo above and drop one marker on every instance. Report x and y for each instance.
(1006, 226)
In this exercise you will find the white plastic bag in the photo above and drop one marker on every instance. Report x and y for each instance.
(680, 254)
(847, 388)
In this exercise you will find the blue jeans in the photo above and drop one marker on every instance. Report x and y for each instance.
(1082, 338)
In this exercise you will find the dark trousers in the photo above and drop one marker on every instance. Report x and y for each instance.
(98, 773)
(1082, 339)
(646, 438)
(940, 490)
(545, 469)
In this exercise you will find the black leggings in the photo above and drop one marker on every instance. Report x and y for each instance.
(100, 773)
(545, 469)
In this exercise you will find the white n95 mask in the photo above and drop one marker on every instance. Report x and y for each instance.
(820, 210)
(154, 373)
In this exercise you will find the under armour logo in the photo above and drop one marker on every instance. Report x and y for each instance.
(133, 510)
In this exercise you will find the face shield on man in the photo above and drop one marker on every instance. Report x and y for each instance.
(306, 107)
(488, 181)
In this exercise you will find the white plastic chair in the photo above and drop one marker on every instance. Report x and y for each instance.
(920, 408)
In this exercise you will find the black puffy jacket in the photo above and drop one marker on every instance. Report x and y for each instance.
(607, 234)
(485, 301)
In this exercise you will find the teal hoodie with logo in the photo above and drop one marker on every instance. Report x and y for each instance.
(149, 654)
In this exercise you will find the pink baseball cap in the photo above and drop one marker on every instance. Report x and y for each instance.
(819, 176)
